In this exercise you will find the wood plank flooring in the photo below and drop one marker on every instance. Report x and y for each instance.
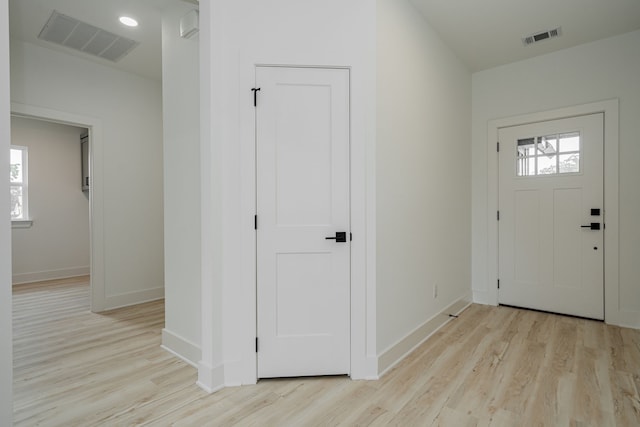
(493, 366)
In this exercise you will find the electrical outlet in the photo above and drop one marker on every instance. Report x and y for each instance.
(435, 290)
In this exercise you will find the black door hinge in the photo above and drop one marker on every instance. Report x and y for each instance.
(498, 147)
(498, 215)
(255, 222)
(255, 96)
(350, 237)
(498, 283)
(256, 344)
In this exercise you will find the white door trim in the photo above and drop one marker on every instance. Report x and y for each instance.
(613, 314)
(98, 300)
(228, 204)
(363, 349)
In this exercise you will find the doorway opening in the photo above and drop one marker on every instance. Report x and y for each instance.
(50, 201)
(91, 127)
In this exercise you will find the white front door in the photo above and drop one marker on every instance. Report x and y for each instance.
(551, 192)
(303, 271)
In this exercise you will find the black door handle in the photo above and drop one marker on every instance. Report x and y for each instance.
(341, 237)
(592, 226)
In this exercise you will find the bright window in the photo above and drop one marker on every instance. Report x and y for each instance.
(548, 155)
(18, 180)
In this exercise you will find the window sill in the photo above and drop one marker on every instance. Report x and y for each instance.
(21, 223)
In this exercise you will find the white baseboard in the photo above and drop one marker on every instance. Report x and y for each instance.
(181, 347)
(401, 349)
(210, 379)
(133, 298)
(41, 276)
(483, 297)
(627, 319)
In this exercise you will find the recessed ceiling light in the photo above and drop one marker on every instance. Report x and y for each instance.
(128, 21)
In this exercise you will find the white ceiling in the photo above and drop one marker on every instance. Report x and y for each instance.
(27, 17)
(483, 33)
(488, 33)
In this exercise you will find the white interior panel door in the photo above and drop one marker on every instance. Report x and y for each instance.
(303, 270)
(551, 218)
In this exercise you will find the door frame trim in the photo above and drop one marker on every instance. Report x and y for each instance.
(612, 312)
(241, 367)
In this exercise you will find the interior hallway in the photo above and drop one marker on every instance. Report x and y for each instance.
(491, 366)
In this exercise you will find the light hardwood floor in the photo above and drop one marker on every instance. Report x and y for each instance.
(491, 366)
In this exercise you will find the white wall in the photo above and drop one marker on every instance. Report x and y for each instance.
(423, 174)
(57, 245)
(6, 343)
(601, 70)
(181, 139)
(236, 35)
(129, 109)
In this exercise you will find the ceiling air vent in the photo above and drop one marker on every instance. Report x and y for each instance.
(67, 31)
(538, 37)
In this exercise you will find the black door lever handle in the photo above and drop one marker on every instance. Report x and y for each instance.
(341, 237)
(592, 226)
